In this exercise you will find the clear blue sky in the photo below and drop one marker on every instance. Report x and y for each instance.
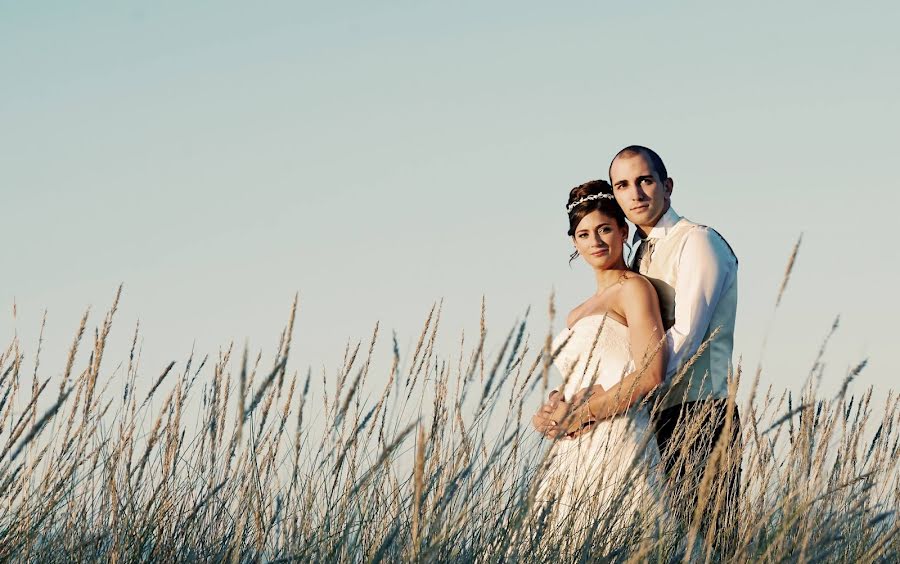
(216, 158)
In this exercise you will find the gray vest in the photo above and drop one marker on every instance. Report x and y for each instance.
(707, 376)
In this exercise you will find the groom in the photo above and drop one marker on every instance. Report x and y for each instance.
(694, 271)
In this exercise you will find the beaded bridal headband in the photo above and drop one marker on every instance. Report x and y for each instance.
(571, 206)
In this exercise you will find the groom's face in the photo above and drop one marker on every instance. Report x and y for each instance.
(640, 192)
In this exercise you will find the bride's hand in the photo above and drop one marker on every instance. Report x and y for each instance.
(542, 420)
(586, 428)
(574, 418)
(560, 420)
(581, 398)
(583, 394)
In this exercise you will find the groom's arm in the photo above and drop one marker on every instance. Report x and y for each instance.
(705, 269)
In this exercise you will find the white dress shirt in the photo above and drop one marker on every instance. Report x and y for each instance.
(706, 267)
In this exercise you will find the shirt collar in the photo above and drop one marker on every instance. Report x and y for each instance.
(662, 227)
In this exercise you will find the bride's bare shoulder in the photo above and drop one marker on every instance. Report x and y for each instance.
(636, 285)
(574, 315)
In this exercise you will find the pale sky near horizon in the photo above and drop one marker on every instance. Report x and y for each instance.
(217, 157)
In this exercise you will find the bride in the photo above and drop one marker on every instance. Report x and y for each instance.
(600, 470)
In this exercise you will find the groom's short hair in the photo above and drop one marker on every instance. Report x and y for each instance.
(649, 155)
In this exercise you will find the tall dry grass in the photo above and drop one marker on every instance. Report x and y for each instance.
(235, 459)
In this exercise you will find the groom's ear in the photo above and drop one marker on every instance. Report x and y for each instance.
(669, 184)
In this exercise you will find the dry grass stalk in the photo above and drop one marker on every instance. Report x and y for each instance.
(348, 480)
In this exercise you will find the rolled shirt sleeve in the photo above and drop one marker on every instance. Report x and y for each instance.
(706, 268)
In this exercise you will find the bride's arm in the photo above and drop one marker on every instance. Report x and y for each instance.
(640, 306)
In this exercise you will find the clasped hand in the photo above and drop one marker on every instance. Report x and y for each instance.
(559, 418)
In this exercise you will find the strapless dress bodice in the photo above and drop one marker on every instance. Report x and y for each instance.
(586, 476)
(595, 351)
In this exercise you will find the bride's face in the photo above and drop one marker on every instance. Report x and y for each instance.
(599, 240)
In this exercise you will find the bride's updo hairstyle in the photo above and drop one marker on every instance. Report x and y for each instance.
(580, 203)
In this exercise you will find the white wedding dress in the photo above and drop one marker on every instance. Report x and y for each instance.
(605, 476)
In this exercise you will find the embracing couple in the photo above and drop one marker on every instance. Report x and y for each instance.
(642, 416)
